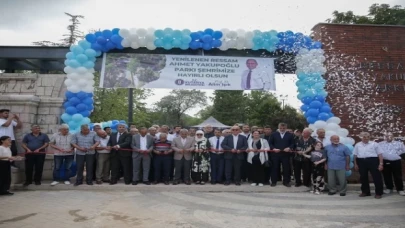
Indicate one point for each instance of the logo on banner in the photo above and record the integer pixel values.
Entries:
(193, 82)
(179, 82)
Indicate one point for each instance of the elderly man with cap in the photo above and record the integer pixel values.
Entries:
(368, 158)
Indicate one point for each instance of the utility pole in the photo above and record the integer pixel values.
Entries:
(130, 105)
(283, 98)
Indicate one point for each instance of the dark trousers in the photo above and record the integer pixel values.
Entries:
(81, 161)
(245, 169)
(171, 174)
(275, 169)
(13, 148)
(257, 171)
(180, 165)
(217, 167)
(162, 162)
(5, 176)
(31, 161)
(125, 162)
(62, 162)
(152, 169)
(233, 164)
(95, 165)
(393, 169)
(370, 165)
(306, 167)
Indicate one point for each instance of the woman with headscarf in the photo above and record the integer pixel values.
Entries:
(200, 161)
(257, 156)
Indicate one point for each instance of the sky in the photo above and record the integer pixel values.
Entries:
(25, 21)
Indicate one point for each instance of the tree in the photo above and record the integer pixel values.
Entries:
(71, 37)
(382, 14)
(174, 106)
(206, 112)
(229, 106)
(262, 108)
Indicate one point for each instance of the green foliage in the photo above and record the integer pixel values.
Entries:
(378, 14)
(229, 106)
(171, 109)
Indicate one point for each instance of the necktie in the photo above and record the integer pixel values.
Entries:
(217, 144)
(249, 76)
(118, 138)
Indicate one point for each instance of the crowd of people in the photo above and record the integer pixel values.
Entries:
(218, 156)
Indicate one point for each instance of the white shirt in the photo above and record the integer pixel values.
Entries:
(392, 150)
(325, 141)
(5, 152)
(369, 150)
(183, 141)
(235, 141)
(259, 79)
(282, 134)
(8, 131)
(143, 142)
(118, 136)
(103, 143)
(213, 141)
(247, 135)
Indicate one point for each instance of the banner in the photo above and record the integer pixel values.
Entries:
(131, 70)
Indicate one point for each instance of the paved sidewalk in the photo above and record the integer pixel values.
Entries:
(174, 209)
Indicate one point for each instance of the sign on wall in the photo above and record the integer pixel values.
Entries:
(131, 70)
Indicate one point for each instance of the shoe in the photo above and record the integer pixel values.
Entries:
(187, 183)
(113, 182)
(308, 186)
(146, 182)
(331, 193)
(37, 182)
(127, 183)
(106, 181)
(387, 191)
(364, 195)
(213, 182)
(287, 185)
(26, 184)
(226, 183)
(89, 183)
(377, 196)
(175, 182)
(401, 193)
(6, 193)
(166, 183)
(342, 194)
(237, 183)
(253, 184)
(202, 183)
(134, 182)
(67, 182)
(197, 182)
(261, 185)
(312, 191)
(273, 185)
(99, 182)
(54, 183)
(77, 184)
(297, 185)
(154, 182)
(317, 193)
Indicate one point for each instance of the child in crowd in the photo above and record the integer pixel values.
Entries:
(318, 158)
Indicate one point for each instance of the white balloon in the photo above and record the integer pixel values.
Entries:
(312, 127)
(142, 42)
(73, 88)
(132, 30)
(151, 31)
(90, 82)
(68, 82)
(343, 132)
(232, 35)
(133, 37)
(224, 31)
(134, 45)
(249, 35)
(240, 46)
(249, 44)
(241, 41)
(91, 70)
(334, 119)
(320, 124)
(88, 76)
(88, 89)
(231, 43)
(81, 70)
(350, 141)
(68, 70)
(150, 46)
(241, 32)
(223, 47)
(126, 43)
(73, 76)
(124, 33)
(141, 32)
(150, 37)
(82, 82)
(329, 133)
(332, 127)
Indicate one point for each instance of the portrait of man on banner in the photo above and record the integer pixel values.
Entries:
(255, 78)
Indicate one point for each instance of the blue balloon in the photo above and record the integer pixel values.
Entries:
(91, 38)
(311, 119)
(90, 108)
(176, 43)
(323, 116)
(85, 113)
(184, 46)
(209, 31)
(315, 104)
(77, 117)
(319, 98)
(217, 35)
(115, 121)
(348, 173)
(158, 43)
(159, 33)
(81, 58)
(115, 31)
(351, 148)
(207, 46)
(195, 45)
(116, 39)
(98, 33)
(69, 94)
(74, 101)
(89, 64)
(304, 108)
(66, 117)
(76, 49)
(74, 63)
(325, 108)
(73, 124)
(110, 45)
(306, 100)
(107, 34)
(101, 40)
(167, 46)
(86, 120)
(89, 95)
(177, 34)
(351, 158)
(88, 101)
(85, 44)
(351, 165)
(96, 47)
(122, 121)
(195, 36)
(207, 38)
(90, 53)
(167, 39)
(312, 112)
(67, 104)
(185, 39)
(168, 30)
(71, 110)
(216, 43)
(81, 107)
(70, 55)
(316, 45)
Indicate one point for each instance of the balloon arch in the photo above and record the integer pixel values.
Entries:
(80, 62)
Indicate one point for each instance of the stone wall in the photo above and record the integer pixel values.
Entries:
(36, 99)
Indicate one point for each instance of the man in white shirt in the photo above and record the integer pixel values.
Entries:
(217, 157)
(142, 146)
(391, 152)
(255, 79)
(7, 124)
(103, 160)
(368, 158)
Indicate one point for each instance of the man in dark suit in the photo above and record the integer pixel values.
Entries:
(118, 141)
(235, 146)
(282, 143)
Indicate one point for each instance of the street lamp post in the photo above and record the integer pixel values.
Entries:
(283, 98)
